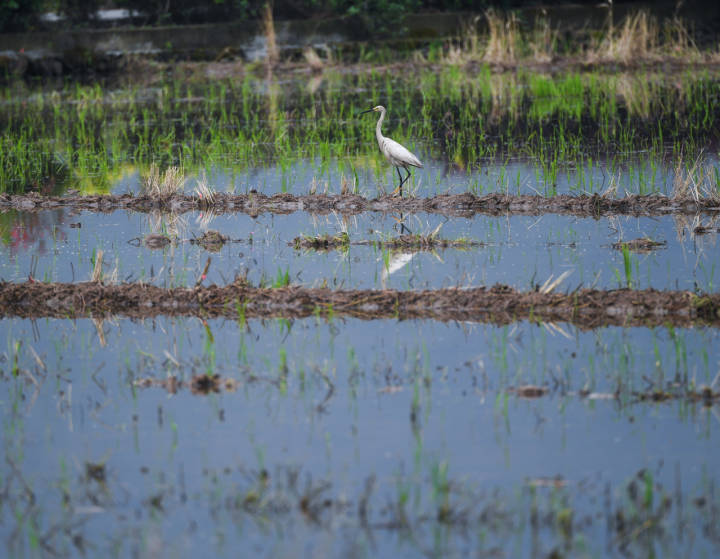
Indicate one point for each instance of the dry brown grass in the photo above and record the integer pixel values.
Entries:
(699, 181)
(97, 268)
(679, 40)
(204, 191)
(273, 55)
(503, 38)
(638, 38)
(543, 41)
(164, 184)
(467, 48)
(500, 46)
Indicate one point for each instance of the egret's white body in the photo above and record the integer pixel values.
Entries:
(396, 154)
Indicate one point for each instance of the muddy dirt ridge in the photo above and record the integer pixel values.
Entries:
(463, 205)
(585, 308)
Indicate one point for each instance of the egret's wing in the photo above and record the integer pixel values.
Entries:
(401, 154)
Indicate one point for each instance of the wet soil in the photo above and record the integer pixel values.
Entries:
(211, 240)
(586, 308)
(198, 384)
(463, 205)
(643, 244)
(705, 395)
(204, 384)
(415, 242)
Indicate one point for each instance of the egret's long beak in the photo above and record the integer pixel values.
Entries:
(368, 111)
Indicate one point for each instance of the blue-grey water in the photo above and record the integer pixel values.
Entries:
(348, 437)
(334, 402)
(520, 251)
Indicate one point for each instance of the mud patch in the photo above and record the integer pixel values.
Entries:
(705, 395)
(643, 244)
(447, 204)
(321, 242)
(529, 391)
(415, 242)
(211, 241)
(198, 384)
(586, 308)
(156, 241)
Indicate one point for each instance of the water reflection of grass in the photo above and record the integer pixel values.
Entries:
(431, 510)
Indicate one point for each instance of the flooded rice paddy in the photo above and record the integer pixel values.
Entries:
(304, 433)
(515, 250)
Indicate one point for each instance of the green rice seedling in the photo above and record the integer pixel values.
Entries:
(15, 368)
(464, 115)
(209, 350)
(441, 490)
(627, 264)
(241, 309)
(282, 279)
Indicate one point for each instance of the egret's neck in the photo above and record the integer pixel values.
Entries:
(378, 131)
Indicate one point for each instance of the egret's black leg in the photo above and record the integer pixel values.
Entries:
(406, 177)
(402, 180)
(399, 188)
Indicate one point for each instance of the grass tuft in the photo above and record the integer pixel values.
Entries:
(204, 191)
(503, 38)
(162, 185)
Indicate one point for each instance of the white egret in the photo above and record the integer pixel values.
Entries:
(397, 155)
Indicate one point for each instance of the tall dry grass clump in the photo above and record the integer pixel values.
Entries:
(639, 38)
(206, 193)
(635, 39)
(699, 180)
(501, 45)
(97, 268)
(679, 40)
(503, 38)
(164, 184)
(273, 55)
(543, 41)
(466, 49)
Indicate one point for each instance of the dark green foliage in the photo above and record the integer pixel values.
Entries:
(192, 11)
(19, 15)
(376, 16)
(79, 12)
